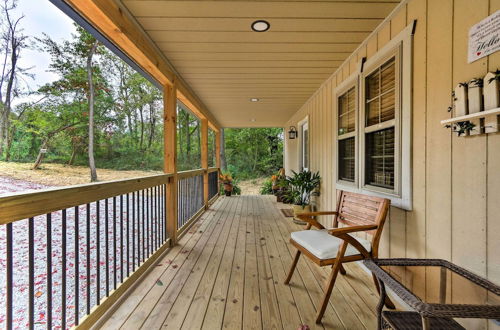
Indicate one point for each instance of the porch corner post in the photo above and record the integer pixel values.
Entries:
(170, 158)
(204, 159)
(217, 155)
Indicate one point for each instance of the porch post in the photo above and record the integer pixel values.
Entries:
(170, 158)
(204, 159)
(217, 156)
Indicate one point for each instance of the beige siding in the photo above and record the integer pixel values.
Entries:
(456, 180)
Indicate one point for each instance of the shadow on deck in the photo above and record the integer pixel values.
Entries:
(228, 270)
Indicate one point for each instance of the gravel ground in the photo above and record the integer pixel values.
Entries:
(20, 260)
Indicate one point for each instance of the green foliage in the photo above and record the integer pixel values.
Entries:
(302, 186)
(267, 188)
(236, 188)
(254, 152)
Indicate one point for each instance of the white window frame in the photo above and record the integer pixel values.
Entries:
(401, 46)
(346, 85)
(396, 122)
(301, 124)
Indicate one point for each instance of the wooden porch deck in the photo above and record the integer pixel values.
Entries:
(228, 272)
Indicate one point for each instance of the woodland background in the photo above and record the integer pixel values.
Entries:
(101, 113)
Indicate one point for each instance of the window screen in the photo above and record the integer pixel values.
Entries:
(379, 157)
(380, 94)
(347, 160)
(347, 111)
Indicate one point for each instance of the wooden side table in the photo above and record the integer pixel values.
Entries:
(434, 310)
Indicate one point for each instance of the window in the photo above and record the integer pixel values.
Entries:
(374, 125)
(380, 105)
(304, 144)
(346, 135)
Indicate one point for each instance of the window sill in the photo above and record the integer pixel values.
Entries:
(396, 201)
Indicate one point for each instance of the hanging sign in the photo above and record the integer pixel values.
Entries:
(484, 37)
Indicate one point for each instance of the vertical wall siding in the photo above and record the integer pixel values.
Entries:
(456, 180)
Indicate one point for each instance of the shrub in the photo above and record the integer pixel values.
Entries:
(267, 187)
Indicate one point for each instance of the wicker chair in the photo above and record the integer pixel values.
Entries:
(359, 213)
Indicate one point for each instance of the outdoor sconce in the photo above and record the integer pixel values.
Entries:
(292, 133)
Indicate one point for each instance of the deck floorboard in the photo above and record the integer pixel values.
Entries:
(227, 272)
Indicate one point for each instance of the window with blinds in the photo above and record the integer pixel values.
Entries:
(373, 118)
(347, 114)
(379, 169)
(347, 160)
(380, 94)
(380, 112)
(347, 111)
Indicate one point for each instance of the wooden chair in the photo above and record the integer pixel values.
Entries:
(360, 213)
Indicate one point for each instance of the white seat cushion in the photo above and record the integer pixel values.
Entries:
(325, 246)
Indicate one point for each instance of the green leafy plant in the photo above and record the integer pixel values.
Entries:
(301, 187)
(461, 127)
(267, 187)
(496, 77)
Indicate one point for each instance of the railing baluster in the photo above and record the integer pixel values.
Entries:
(106, 236)
(77, 265)
(133, 231)
(98, 256)
(148, 233)
(49, 270)
(114, 242)
(128, 235)
(157, 220)
(87, 282)
(63, 272)
(121, 238)
(143, 229)
(31, 273)
(9, 277)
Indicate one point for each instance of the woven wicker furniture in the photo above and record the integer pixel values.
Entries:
(433, 310)
(333, 247)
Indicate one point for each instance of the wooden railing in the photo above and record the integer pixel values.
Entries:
(213, 183)
(70, 253)
(190, 199)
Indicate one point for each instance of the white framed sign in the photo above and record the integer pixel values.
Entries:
(484, 37)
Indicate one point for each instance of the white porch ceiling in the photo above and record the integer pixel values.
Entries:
(212, 46)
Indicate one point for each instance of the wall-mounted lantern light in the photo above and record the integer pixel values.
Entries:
(292, 133)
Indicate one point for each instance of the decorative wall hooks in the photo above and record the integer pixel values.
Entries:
(476, 106)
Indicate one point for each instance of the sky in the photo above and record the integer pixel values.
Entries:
(41, 16)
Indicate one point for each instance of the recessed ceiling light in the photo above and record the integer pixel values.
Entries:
(260, 25)
(254, 99)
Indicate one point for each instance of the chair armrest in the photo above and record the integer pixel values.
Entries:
(313, 214)
(343, 234)
(351, 229)
(310, 221)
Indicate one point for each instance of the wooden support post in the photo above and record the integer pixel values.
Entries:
(204, 159)
(170, 160)
(217, 156)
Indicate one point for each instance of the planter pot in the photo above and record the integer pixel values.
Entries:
(228, 189)
(297, 210)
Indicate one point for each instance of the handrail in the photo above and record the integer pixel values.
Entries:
(212, 169)
(190, 173)
(18, 206)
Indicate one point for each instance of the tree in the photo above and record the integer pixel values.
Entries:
(223, 163)
(13, 42)
(93, 171)
(81, 82)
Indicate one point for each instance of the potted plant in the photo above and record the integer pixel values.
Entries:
(278, 184)
(227, 181)
(301, 187)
